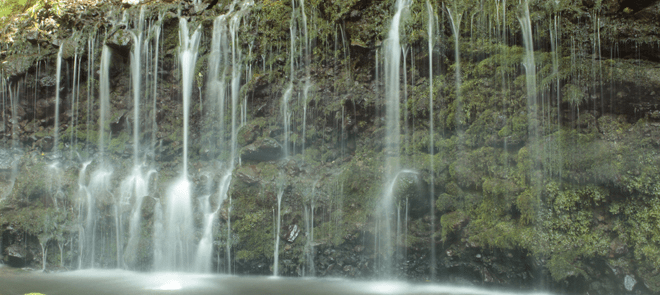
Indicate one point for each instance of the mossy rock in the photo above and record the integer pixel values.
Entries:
(650, 276)
(248, 174)
(453, 222)
(263, 149)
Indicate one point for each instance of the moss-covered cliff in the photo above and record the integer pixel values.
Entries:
(572, 207)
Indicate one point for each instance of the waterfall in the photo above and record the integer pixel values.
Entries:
(530, 70)
(104, 97)
(431, 140)
(13, 101)
(98, 186)
(187, 58)
(276, 254)
(224, 44)
(308, 83)
(235, 85)
(136, 186)
(205, 246)
(58, 78)
(455, 17)
(554, 43)
(136, 73)
(222, 196)
(177, 243)
(154, 125)
(91, 52)
(216, 89)
(393, 131)
(72, 128)
(286, 117)
(83, 194)
(309, 227)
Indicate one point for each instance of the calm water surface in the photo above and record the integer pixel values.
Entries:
(97, 282)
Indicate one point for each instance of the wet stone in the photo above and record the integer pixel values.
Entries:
(248, 174)
(263, 149)
(8, 159)
(292, 233)
(48, 81)
(120, 39)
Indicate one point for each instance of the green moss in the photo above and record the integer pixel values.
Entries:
(451, 222)
(254, 225)
(118, 143)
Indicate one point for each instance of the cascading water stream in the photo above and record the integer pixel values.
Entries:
(455, 17)
(276, 254)
(235, 82)
(431, 140)
(104, 99)
(136, 186)
(178, 240)
(98, 185)
(136, 74)
(204, 248)
(530, 70)
(58, 78)
(83, 195)
(154, 110)
(393, 132)
(286, 117)
(225, 28)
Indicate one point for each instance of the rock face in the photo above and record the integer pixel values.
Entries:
(558, 193)
(120, 39)
(263, 149)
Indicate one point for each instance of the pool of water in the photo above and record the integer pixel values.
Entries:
(98, 282)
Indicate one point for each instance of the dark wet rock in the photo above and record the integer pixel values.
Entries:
(16, 255)
(48, 81)
(120, 40)
(248, 134)
(650, 276)
(9, 159)
(292, 168)
(18, 64)
(248, 174)
(43, 108)
(32, 36)
(45, 143)
(9, 162)
(618, 248)
(263, 149)
(16, 251)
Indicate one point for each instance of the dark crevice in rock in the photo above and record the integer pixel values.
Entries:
(635, 5)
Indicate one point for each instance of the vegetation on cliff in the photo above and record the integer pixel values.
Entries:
(584, 190)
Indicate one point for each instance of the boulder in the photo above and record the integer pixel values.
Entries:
(48, 81)
(9, 159)
(17, 64)
(18, 255)
(120, 39)
(248, 134)
(263, 149)
(248, 174)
